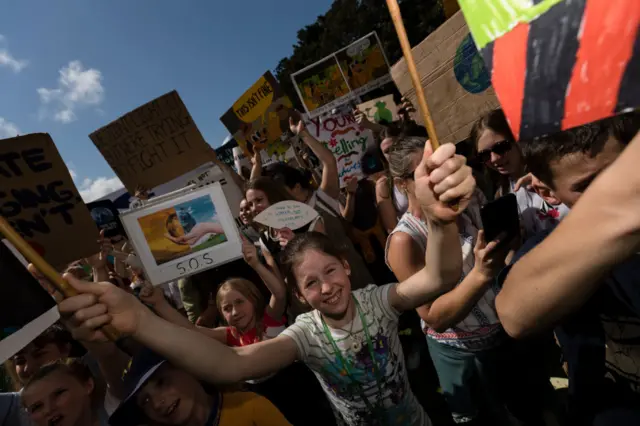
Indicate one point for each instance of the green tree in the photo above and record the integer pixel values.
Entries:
(347, 21)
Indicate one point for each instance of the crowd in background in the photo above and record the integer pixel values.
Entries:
(390, 308)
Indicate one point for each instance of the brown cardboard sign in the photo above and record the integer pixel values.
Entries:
(152, 144)
(40, 201)
(457, 87)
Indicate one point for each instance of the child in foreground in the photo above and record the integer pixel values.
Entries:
(349, 340)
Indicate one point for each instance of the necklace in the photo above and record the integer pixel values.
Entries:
(356, 344)
(356, 385)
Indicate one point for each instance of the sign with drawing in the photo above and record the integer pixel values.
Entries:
(343, 76)
(346, 139)
(41, 202)
(380, 110)
(182, 234)
(152, 144)
(260, 118)
(287, 214)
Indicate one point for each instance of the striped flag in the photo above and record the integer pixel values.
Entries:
(557, 64)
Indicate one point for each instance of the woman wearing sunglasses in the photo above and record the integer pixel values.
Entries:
(497, 150)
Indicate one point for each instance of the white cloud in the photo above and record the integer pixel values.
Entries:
(8, 129)
(77, 88)
(92, 189)
(8, 60)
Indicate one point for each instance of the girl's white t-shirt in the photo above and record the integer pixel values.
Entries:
(345, 390)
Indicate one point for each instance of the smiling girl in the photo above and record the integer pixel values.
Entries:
(350, 339)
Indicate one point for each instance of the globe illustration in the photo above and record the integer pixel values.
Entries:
(469, 68)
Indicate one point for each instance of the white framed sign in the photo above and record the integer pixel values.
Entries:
(183, 233)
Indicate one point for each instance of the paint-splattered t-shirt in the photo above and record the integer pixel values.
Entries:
(392, 393)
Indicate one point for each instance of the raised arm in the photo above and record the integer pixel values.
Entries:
(330, 181)
(278, 300)
(443, 186)
(349, 209)
(256, 165)
(386, 209)
(560, 274)
(204, 357)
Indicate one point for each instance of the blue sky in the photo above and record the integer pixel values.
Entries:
(68, 67)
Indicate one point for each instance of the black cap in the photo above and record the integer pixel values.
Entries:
(142, 367)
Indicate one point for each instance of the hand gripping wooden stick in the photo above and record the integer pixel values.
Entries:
(394, 9)
(45, 269)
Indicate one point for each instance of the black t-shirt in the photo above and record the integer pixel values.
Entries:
(601, 344)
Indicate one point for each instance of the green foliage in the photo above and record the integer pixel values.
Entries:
(347, 21)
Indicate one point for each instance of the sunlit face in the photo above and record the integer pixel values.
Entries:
(59, 399)
(245, 212)
(323, 283)
(169, 397)
(572, 174)
(31, 358)
(503, 155)
(384, 147)
(257, 201)
(238, 311)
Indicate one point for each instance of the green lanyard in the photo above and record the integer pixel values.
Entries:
(345, 365)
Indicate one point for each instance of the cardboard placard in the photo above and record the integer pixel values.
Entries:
(152, 144)
(380, 110)
(342, 76)
(260, 118)
(559, 64)
(40, 201)
(287, 214)
(107, 218)
(455, 82)
(183, 234)
(27, 309)
(346, 139)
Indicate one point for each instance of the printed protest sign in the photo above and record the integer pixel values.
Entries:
(183, 234)
(40, 201)
(380, 110)
(557, 64)
(152, 144)
(260, 117)
(106, 216)
(342, 76)
(346, 139)
(27, 309)
(287, 214)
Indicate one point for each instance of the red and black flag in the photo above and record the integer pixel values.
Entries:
(557, 64)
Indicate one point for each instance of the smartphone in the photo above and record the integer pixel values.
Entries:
(501, 216)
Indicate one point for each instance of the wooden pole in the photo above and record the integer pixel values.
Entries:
(45, 268)
(413, 71)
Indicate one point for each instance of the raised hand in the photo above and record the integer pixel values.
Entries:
(99, 304)
(297, 125)
(151, 295)
(443, 183)
(249, 252)
(352, 185)
(285, 235)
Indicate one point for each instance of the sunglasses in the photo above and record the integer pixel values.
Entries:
(500, 148)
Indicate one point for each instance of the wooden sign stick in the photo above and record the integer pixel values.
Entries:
(413, 71)
(47, 270)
